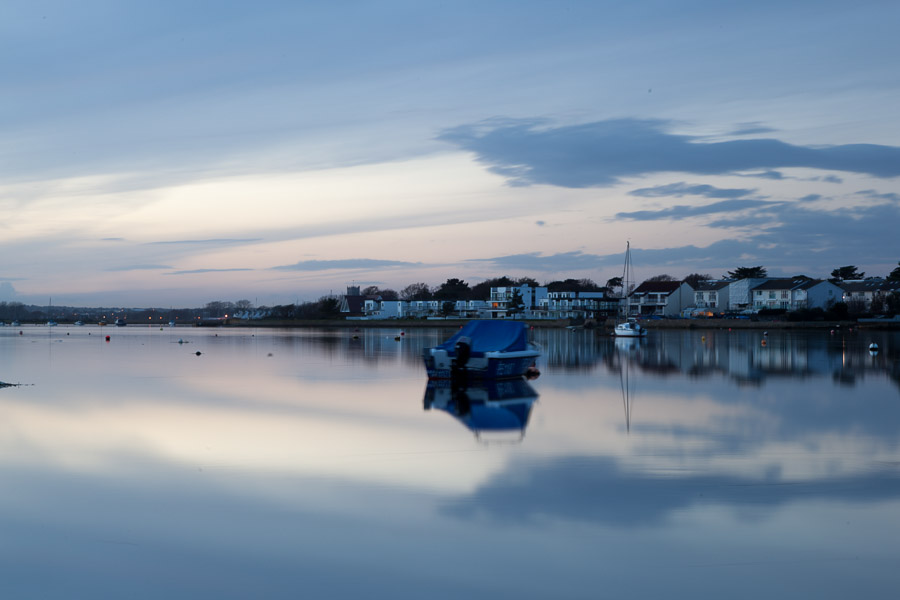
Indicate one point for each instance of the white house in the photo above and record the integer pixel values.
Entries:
(498, 303)
(795, 293)
(662, 298)
(577, 305)
(712, 295)
(739, 292)
(866, 291)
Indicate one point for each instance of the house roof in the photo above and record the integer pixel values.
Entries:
(353, 304)
(787, 283)
(710, 286)
(876, 284)
(657, 287)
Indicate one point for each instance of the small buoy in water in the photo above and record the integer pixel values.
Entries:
(397, 338)
(67, 333)
(764, 342)
(107, 338)
(729, 329)
(702, 338)
(402, 333)
(180, 341)
(355, 337)
(873, 346)
(269, 354)
(765, 333)
(20, 333)
(832, 332)
(160, 328)
(197, 353)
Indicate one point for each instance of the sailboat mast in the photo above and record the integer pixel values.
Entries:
(626, 282)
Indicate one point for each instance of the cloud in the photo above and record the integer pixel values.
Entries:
(350, 263)
(787, 234)
(683, 189)
(7, 291)
(139, 268)
(889, 196)
(683, 212)
(612, 496)
(751, 128)
(533, 261)
(213, 241)
(528, 152)
(829, 179)
(195, 271)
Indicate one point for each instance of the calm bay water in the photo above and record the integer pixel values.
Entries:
(304, 463)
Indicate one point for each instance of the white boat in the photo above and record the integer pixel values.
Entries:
(629, 327)
(484, 349)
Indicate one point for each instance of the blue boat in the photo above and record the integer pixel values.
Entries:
(483, 349)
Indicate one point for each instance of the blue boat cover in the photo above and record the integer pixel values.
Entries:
(491, 336)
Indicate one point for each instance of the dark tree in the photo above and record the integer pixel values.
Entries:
(384, 294)
(453, 289)
(515, 305)
(662, 277)
(416, 291)
(573, 285)
(845, 273)
(527, 281)
(694, 278)
(748, 273)
(895, 274)
(447, 308)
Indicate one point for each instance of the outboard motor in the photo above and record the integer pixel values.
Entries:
(463, 349)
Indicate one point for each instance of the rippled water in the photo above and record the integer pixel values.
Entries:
(304, 463)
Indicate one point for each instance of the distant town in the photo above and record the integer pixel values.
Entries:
(742, 293)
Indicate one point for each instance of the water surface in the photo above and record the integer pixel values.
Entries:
(317, 463)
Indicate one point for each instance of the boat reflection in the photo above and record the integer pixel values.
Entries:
(495, 411)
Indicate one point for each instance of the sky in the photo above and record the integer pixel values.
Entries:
(172, 154)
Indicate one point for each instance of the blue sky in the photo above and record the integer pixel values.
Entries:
(175, 153)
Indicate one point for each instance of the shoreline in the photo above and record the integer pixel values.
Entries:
(604, 328)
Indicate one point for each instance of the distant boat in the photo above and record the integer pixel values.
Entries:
(79, 323)
(14, 324)
(171, 323)
(121, 323)
(629, 327)
(483, 349)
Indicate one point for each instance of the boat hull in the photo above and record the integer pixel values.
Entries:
(494, 365)
(630, 329)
